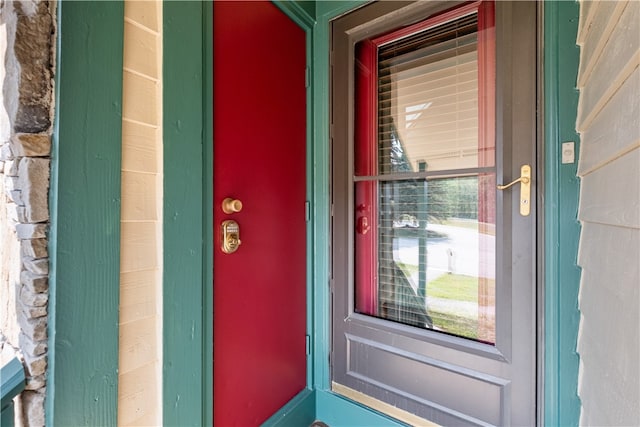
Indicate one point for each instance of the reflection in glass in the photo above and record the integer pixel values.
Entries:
(425, 178)
(436, 257)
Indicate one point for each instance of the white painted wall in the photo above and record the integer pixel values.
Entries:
(140, 362)
(609, 166)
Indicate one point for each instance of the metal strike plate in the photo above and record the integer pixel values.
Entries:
(230, 238)
(525, 190)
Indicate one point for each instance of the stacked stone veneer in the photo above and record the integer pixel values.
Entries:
(24, 172)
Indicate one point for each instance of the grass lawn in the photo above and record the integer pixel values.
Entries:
(457, 325)
(454, 286)
(458, 288)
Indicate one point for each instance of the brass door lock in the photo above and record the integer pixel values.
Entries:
(230, 236)
(230, 205)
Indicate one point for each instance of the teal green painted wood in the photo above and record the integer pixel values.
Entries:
(308, 6)
(299, 12)
(84, 241)
(329, 9)
(321, 205)
(338, 411)
(562, 230)
(300, 411)
(207, 214)
(330, 408)
(11, 384)
(11, 380)
(187, 347)
(7, 416)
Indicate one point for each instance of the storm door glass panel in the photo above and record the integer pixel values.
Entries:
(425, 178)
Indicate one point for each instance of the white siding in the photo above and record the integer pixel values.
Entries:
(609, 165)
(140, 362)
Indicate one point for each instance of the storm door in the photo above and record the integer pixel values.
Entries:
(434, 238)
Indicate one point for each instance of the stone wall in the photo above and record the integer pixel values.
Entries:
(27, 30)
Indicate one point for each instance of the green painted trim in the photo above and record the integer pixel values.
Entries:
(320, 180)
(562, 229)
(187, 312)
(329, 9)
(300, 411)
(338, 411)
(298, 11)
(207, 215)
(11, 381)
(84, 239)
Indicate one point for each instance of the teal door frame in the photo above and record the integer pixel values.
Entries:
(560, 274)
(187, 366)
(84, 203)
(88, 204)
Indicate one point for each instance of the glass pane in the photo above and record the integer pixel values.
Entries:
(428, 101)
(425, 245)
(436, 255)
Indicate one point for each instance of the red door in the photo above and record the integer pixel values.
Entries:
(259, 159)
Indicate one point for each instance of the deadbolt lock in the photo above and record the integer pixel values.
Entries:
(230, 236)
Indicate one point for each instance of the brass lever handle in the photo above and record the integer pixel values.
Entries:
(522, 179)
(525, 189)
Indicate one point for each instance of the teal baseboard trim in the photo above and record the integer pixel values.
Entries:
(338, 411)
(300, 411)
(561, 227)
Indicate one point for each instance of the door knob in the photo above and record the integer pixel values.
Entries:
(525, 189)
(230, 205)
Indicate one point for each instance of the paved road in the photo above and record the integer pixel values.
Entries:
(471, 252)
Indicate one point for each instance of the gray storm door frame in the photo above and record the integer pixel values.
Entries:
(413, 352)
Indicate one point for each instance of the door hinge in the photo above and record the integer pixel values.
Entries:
(307, 77)
(308, 345)
(307, 211)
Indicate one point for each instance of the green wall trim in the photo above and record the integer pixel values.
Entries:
(562, 229)
(84, 238)
(188, 301)
(300, 411)
(338, 411)
(298, 11)
(207, 214)
(320, 181)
